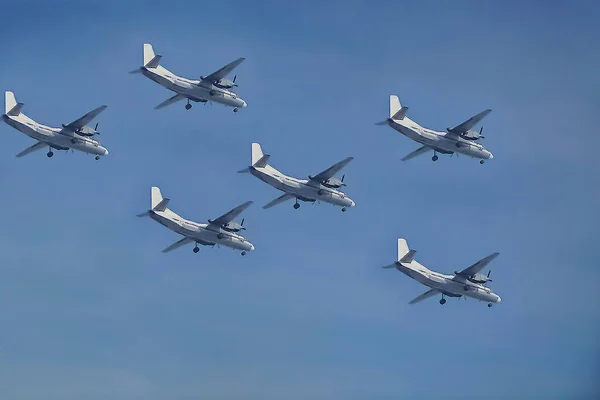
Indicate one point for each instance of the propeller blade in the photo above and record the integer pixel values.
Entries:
(96, 127)
(234, 78)
(242, 224)
(343, 176)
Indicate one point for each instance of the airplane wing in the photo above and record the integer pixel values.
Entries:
(86, 119)
(231, 215)
(471, 122)
(31, 149)
(170, 101)
(331, 171)
(278, 200)
(222, 73)
(478, 266)
(426, 295)
(417, 152)
(178, 244)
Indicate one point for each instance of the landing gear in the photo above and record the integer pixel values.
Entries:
(320, 192)
(296, 205)
(235, 110)
(457, 145)
(188, 105)
(344, 209)
(434, 158)
(466, 288)
(481, 161)
(220, 236)
(196, 249)
(212, 92)
(97, 158)
(50, 153)
(244, 253)
(443, 301)
(73, 140)
(489, 304)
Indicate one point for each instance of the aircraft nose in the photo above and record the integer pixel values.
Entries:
(352, 203)
(105, 152)
(499, 299)
(244, 104)
(490, 155)
(251, 247)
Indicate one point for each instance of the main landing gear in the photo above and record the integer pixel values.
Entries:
(212, 92)
(481, 161)
(296, 205)
(73, 140)
(50, 153)
(196, 248)
(443, 301)
(220, 236)
(435, 157)
(188, 105)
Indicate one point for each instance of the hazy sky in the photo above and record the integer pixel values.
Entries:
(91, 308)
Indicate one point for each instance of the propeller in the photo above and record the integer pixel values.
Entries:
(480, 135)
(96, 129)
(234, 78)
(488, 275)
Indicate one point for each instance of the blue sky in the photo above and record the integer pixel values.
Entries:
(92, 309)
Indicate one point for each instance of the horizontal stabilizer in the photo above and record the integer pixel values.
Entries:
(154, 62)
(162, 205)
(16, 110)
(262, 162)
(408, 257)
(400, 114)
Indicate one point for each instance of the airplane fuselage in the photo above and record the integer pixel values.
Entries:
(195, 90)
(446, 284)
(302, 189)
(58, 138)
(202, 233)
(439, 141)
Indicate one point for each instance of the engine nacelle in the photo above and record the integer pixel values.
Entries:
(479, 278)
(233, 227)
(225, 84)
(333, 183)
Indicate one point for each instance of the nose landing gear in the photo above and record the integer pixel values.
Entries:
(235, 110)
(97, 158)
(489, 304)
(244, 253)
(481, 161)
(343, 209)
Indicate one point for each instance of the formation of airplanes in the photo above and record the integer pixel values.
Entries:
(468, 282)
(322, 187)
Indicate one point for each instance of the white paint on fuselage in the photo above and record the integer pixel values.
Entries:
(439, 140)
(59, 137)
(302, 189)
(200, 232)
(196, 90)
(446, 284)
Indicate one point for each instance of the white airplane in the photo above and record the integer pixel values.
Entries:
(460, 139)
(220, 231)
(213, 87)
(76, 135)
(322, 187)
(468, 282)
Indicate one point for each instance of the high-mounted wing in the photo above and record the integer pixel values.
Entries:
(177, 244)
(231, 215)
(331, 171)
(31, 149)
(86, 119)
(222, 73)
(278, 200)
(470, 123)
(426, 295)
(478, 266)
(417, 152)
(170, 101)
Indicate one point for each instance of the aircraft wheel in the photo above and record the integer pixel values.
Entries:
(188, 106)
(297, 206)
(481, 161)
(443, 301)
(343, 209)
(50, 154)
(434, 158)
(235, 110)
(320, 192)
(97, 158)
(196, 249)
(457, 145)
(212, 92)
(489, 304)
(244, 252)
(220, 236)
(73, 140)
(466, 288)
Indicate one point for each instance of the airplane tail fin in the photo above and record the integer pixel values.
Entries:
(404, 253)
(157, 197)
(397, 112)
(11, 107)
(151, 60)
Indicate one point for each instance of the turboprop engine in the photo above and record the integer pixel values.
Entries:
(226, 83)
(234, 226)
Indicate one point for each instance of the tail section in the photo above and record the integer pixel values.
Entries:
(156, 197)
(403, 249)
(151, 60)
(397, 112)
(10, 102)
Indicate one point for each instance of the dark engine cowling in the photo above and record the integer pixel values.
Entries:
(333, 183)
(479, 278)
(234, 226)
(226, 83)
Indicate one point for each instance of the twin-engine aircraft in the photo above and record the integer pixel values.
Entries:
(221, 231)
(213, 87)
(460, 139)
(76, 135)
(322, 187)
(468, 282)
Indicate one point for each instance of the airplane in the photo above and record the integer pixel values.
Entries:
(220, 231)
(468, 282)
(460, 139)
(323, 186)
(75, 136)
(213, 87)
